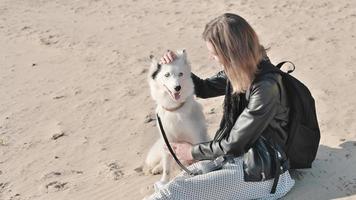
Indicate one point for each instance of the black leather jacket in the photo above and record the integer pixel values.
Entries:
(266, 114)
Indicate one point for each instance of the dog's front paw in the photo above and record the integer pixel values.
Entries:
(157, 169)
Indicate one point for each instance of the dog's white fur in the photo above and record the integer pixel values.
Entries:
(186, 124)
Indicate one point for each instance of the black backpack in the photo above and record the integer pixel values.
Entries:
(303, 129)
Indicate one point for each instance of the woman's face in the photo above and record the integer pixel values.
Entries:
(212, 53)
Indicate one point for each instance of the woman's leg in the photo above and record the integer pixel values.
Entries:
(226, 183)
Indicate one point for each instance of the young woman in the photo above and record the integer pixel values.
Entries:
(253, 129)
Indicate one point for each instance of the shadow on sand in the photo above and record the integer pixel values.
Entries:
(332, 176)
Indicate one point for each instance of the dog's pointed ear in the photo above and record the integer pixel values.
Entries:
(182, 53)
(155, 67)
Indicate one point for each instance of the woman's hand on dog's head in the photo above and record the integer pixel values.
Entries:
(168, 57)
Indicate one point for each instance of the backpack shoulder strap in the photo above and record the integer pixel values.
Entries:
(279, 66)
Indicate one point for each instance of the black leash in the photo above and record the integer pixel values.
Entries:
(171, 150)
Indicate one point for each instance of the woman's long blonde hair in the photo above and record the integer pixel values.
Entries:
(237, 47)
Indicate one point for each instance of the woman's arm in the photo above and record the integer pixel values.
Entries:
(210, 87)
(249, 125)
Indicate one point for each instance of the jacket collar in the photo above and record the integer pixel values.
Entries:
(264, 67)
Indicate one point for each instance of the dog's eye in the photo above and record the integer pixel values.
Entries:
(167, 74)
(180, 74)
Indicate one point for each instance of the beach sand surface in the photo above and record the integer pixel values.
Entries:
(74, 96)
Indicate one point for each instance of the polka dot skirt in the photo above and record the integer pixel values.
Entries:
(225, 184)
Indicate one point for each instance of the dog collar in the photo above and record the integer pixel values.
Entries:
(173, 109)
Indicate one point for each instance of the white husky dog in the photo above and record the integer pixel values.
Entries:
(182, 117)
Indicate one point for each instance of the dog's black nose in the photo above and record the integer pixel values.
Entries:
(177, 88)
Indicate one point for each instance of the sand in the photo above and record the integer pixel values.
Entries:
(74, 91)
